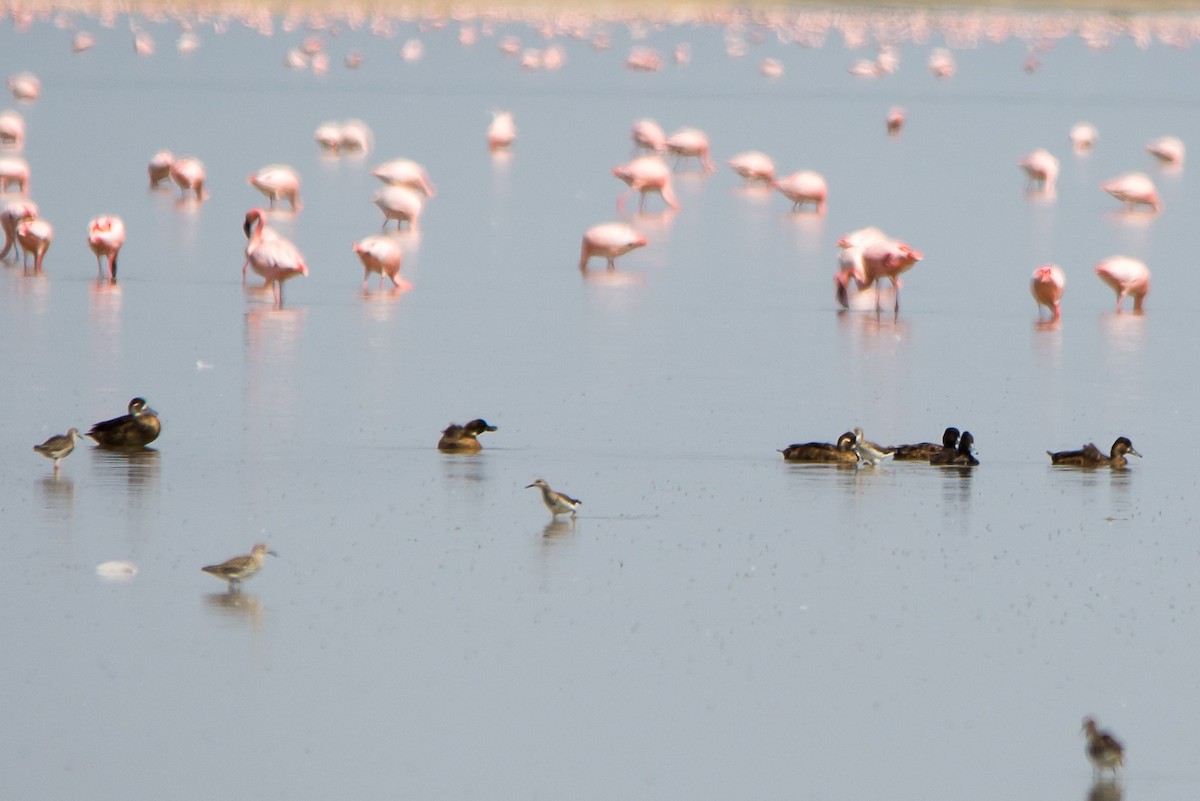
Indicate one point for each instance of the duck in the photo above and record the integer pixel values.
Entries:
(234, 570)
(1103, 750)
(559, 503)
(924, 451)
(868, 451)
(1091, 456)
(462, 439)
(134, 430)
(960, 456)
(842, 452)
(58, 447)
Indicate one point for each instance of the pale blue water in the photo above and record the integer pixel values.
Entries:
(716, 623)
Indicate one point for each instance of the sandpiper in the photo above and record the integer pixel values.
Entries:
(556, 502)
(868, 452)
(134, 430)
(240, 567)
(58, 447)
(1103, 749)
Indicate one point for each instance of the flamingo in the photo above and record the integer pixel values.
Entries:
(1127, 277)
(329, 136)
(401, 204)
(13, 213)
(754, 167)
(12, 129)
(1167, 149)
(690, 143)
(501, 132)
(356, 137)
(404, 172)
(34, 236)
(895, 120)
(188, 174)
(270, 255)
(278, 181)
(646, 174)
(160, 167)
(1083, 137)
(648, 135)
(106, 235)
(880, 258)
(1041, 167)
(1134, 189)
(941, 63)
(1047, 287)
(25, 86)
(803, 187)
(381, 254)
(14, 171)
(608, 240)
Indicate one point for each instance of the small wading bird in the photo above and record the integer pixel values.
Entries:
(842, 452)
(1047, 287)
(58, 447)
(1091, 456)
(557, 502)
(463, 439)
(608, 241)
(106, 235)
(134, 430)
(235, 570)
(868, 452)
(1103, 750)
(924, 451)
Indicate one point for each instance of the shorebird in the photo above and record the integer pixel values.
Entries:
(240, 567)
(868, 452)
(134, 430)
(59, 446)
(1104, 751)
(1091, 456)
(463, 439)
(557, 502)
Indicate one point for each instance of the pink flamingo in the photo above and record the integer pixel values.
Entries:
(881, 258)
(13, 213)
(646, 174)
(690, 143)
(278, 181)
(357, 137)
(106, 235)
(1134, 189)
(401, 204)
(1127, 277)
(270, 255)
(1041, 168)
(501, 132)
(12, 129)
(804, 187)
(754, 167)
(14, 171)
(25, 86)
(1167, 149)
(34, 236)
(160, 167)
(608, 240)
(895, 120)
(403, 172)
(941, 63)
(649, 135)
(329, 136)
(1083, 137)
(188, 175)
(1047, 287)
(382, 255)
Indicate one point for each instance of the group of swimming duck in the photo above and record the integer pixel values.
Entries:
(954, 449)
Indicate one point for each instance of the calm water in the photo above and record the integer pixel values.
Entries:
(716, 624)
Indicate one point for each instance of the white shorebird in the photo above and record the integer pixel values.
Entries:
(558, 503)
(868, 452)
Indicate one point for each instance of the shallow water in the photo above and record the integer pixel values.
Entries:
(716, 623)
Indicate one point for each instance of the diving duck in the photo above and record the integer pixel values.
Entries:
(462, 439)
(1091, 456)
(134, 430)
(558, 503)
(1104, 751)
(234, 570)
(843, 451)
(960, 456)
(924, 451)
(58, 447)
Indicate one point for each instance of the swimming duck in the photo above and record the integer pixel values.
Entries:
(843, 451)
(960, 456)
(557, 502)
(463, 438)
(58, 447)
(134, 430)
(1091, 456)
(1104, 750)
(924, 451)
(240, 567)
(868, 451)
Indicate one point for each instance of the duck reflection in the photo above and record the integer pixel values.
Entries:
(956, 486)
(1104, 790)
(464, 467)
(236, 606)
(136, 469)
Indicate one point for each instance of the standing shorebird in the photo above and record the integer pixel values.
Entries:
(558, 503)
(240, 567)
(868, 452)
(1104, 751)
(59, 446)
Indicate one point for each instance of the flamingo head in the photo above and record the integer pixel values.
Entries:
(841, 287)
(253, 216)
(906, 256)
